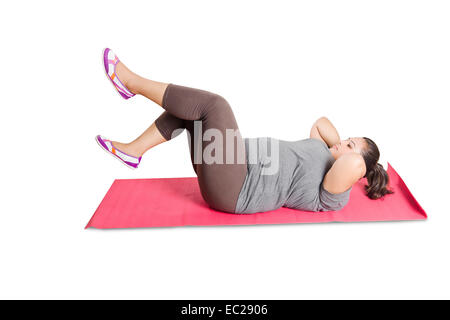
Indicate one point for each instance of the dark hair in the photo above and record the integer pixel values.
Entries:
(377, 177)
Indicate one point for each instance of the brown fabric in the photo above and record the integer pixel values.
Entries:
(220, 183)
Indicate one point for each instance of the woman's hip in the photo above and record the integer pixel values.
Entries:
(220, 184)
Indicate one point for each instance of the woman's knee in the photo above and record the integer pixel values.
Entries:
(218, 103)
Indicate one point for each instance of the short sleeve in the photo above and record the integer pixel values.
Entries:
(333, 202)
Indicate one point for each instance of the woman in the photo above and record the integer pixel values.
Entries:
(247, 176)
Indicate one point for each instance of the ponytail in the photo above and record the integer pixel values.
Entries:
(377, 177)
(377, 182)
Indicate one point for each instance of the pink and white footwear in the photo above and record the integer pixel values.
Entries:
(110, 61)
(130, 161)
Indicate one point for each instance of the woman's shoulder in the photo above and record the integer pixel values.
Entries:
(346, 171)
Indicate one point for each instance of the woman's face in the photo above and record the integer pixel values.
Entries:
(355, 145)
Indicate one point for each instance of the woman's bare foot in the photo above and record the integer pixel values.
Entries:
(128, 148)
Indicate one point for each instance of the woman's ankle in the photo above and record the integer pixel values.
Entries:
(128, 148)
(133, 84)
(128, 78)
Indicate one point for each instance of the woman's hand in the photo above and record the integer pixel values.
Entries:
(324, 130)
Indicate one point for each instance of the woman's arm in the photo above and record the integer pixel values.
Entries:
(324, 130)
(346, 171)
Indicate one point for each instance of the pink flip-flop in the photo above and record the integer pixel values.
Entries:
(110, 60)
(128, 160)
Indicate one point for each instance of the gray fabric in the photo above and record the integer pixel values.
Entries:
(296, 184)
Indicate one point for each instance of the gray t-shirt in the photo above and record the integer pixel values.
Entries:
(287, 174)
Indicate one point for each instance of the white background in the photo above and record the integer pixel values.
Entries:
(375, 68)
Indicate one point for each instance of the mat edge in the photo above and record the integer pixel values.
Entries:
(423, 212)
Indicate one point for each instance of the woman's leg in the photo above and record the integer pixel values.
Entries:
(158, 132)
(154, 91)
(150, 89)
(209, 120)
(185, 105)
(148, 139)
(220, 181)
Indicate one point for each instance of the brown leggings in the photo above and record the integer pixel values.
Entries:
(220, 183)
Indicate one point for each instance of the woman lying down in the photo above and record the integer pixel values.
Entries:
(247, 175)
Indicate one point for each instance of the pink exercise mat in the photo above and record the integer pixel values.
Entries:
(144, 203)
